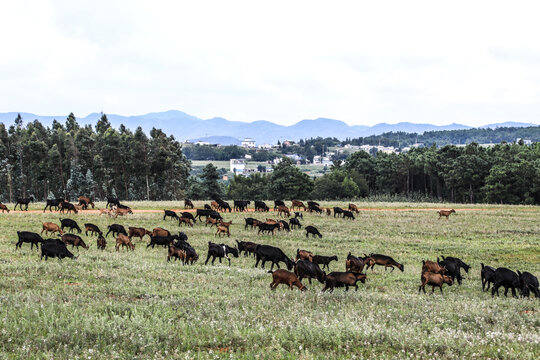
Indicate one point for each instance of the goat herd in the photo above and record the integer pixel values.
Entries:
(304, 265)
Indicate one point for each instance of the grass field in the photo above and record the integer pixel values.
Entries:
(109, 304)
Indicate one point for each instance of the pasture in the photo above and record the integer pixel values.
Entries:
(109, 304)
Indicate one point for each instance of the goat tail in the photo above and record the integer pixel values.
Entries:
(270, 272)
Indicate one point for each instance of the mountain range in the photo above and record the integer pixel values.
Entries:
(219, 130)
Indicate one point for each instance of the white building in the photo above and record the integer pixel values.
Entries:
(237, 166)
(248, 143)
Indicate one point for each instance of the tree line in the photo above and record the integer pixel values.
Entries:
(67, 160)
(505, 173)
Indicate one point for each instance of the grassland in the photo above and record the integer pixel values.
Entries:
(109, 304)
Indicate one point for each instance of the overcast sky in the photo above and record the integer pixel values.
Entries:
(435, 61)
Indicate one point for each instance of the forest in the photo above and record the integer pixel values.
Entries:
(68, 160)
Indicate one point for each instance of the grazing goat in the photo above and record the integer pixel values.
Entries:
(313, 231)
(138, 232)
(176, 253)
(432, 267)
(120, 211)
(115, 229)
(220, 251)
(268, 228)
(324, 260)
(101, 242)
(211, 221)
(241, 205)
(160, 232)
(354, 208)
(383, 260)
(251, 222)
(112, 201)
(507, 278)
(429, 278)
(123, 240)
(298, 215)
(5, 208)
(354, 263)
(445, 213)
(338, 211)
(304, 255)
(188, 215)
(295, 223)
(282, 276)
(261, 206)
(52, 228)
(55, 248)
(458, 262)
(487, 274)
(105, 211)
(528, 282)
(69, 207)
(164, 241)
(247, 247)
(309, 270)
(278, 203)
(452, 269)
(92, 228)
(283, 211)
(343, 279)
(28, 237)
(70, 224)
(185, 220)
(348, 215)
(222, 230)
(74, 240)
(274, 254)
(170, 214)
(188, 204)
(298, 204)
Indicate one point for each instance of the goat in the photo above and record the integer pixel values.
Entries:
(123, 240)
(445, 213)
(429, 278)
(282, 276)
(52, 228)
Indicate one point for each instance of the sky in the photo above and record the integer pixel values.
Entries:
(438, 62)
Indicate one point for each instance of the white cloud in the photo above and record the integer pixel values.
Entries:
(281, 61)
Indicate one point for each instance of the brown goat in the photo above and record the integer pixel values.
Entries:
(122, 212)
(138, 232)
(160, 232)
(354, 208)
(298, 204)
(4, 208)
(79, 207)
(123, 240)
(214, 205)
(304, 255)
(101, 242)
(52, 228)
(270, 221)
(226, 224)
(222, 230)
(184, 220)
(328, 211)
(283, 276)
(105, 211)
(283, 211)
(383, 260)
(445, 213)
(74, 240)
(354, 263)
(340, 279)
(176, 253)
(432, 279)
(211, 221)
(432, 267)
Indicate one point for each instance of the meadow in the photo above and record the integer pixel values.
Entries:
(116, 305)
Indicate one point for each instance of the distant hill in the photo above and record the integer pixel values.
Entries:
(184, 126)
